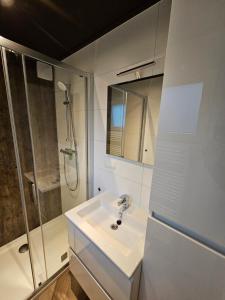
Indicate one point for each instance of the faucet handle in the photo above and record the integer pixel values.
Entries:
(123, 199)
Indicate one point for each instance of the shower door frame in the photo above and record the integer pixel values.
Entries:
(8, 45)
(18, 160)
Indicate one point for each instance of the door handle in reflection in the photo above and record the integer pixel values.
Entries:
(34, 193)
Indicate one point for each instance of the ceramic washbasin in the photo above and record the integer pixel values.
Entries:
(123, 246)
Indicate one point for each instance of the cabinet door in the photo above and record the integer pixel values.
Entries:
(176, 267)
(86, 279)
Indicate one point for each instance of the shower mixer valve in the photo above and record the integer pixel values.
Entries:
(68, 151)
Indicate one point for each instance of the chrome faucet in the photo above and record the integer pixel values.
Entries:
(124, 200)
(124, 203)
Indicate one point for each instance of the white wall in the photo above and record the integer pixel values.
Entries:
(132, 43)
(189, 176)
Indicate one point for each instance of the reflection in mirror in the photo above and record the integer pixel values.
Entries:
(115, 119)
(132, 118)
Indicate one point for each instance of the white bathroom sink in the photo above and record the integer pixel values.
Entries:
(125, 245)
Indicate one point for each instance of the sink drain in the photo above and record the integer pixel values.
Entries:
(114, 226)
(24, 248)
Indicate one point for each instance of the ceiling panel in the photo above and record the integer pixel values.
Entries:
(58, 28)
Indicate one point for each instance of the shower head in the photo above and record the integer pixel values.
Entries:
(62, 86)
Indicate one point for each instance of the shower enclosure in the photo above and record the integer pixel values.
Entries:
(43, 165)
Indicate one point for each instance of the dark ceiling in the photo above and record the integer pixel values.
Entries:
(58, 28)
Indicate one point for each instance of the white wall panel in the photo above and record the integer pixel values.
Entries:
(179, 268)
(129, 44)
(189, 180)
(188, 184)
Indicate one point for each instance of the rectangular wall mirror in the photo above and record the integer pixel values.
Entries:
(132, 118)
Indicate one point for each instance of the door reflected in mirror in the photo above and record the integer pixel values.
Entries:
(132, 119)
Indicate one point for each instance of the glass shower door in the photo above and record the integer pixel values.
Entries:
(43, 126)
(16, 276)
(22, 131)
(56, 103)
(43, 168)
(45, 178)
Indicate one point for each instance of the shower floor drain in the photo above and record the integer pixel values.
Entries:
(114, 226)
(24, 248)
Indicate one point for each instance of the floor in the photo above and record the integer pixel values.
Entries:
(15, 277)
(64, 288)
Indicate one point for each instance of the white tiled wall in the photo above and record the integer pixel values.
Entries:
(130, 44)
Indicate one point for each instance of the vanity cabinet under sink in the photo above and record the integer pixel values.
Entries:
(97, 275)
(106, 263)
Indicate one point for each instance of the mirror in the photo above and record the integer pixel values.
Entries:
(132, 118)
